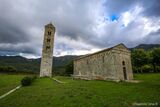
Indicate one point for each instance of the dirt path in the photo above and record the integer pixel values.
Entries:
(58, 81)
(11, 91)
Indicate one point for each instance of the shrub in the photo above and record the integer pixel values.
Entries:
(69, 68)
(147, 68)
(27, 81)
(136, 69)
(158, 68)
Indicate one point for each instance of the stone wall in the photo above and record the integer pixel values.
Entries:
(47, 52)
(106, 64)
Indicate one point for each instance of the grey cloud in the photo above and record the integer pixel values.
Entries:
(4, 53)
(20, 47)
(11, 33)
(117, 7)
(151, 7)
(70, 18)
(153, 37)
(21, 24)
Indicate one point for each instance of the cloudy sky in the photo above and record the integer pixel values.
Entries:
(82, 26)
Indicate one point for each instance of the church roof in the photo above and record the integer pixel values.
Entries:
(107, 49)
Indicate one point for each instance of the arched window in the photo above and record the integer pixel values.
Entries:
(49, 32)
(47, 47)
(123, 63)
(48, 40)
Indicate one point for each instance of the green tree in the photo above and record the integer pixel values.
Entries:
(69, 68)
(147, 68)
(139, 58)
(156, 58)
(7, 69)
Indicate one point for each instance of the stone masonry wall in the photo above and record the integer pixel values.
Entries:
(47, 52)
(104, 65)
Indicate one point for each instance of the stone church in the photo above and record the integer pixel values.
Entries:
(109, 64)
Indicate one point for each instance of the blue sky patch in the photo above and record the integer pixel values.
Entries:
(114, 17)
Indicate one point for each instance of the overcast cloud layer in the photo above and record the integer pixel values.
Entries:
(82, 26)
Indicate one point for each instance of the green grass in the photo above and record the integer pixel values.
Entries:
(8, 82)
(45, 92)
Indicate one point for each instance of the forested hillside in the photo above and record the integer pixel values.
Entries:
(21, 64)
(145, 58)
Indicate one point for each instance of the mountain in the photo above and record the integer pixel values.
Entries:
(59, 63)
(63, 60)
(146, 46)
(33, 65)
(20, 63)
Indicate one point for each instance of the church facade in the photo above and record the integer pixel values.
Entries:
(109, 64)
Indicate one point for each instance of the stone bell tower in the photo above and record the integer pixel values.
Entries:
(47, 51)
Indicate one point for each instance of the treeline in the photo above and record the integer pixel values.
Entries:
(143, 61)
(9, 69)
(13, 70)
(146, 61)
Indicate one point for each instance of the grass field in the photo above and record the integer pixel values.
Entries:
(8, 82)
(45, 92)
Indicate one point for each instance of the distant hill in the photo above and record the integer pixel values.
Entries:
(59, 63)
(146, 46)
(33, 65)
(63, 60)
(20, 63)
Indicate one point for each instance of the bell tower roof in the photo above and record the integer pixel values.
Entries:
(50, 25)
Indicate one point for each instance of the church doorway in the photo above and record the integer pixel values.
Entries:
(124, 71)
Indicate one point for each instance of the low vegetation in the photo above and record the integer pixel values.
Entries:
(44, 92)
(8, 82)
(69, 68)
(9, 69)
(146, 61)
(27, 81)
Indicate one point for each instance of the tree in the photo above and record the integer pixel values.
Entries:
(7, 69)
(147, 68)
(156, 58)
(69, 68)
(139, 58)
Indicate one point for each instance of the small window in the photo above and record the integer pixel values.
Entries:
(49, 32)
(47, 47)
(123, 63)
(48, 40)
(124, 73)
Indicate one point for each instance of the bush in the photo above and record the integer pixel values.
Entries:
(158, 68)
(27, 81)
(69, 68)
(136, 69)
(147, 68)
